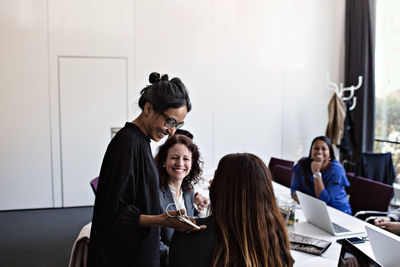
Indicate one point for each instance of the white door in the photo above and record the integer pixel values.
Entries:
(93, 99)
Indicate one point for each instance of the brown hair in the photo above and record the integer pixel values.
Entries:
(250, 230)
(194, 175)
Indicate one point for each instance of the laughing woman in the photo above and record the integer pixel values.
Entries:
(178, 163)
(320, 175)
(126, 217)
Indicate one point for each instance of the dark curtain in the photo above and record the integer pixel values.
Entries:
(359, 60)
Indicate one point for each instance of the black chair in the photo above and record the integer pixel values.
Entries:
(350, 177)
(276, 161)
(376, 166)
(368, 197)
(282, 175)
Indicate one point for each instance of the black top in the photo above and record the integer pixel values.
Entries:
(194, 249)
(128, 187)
(376, 166)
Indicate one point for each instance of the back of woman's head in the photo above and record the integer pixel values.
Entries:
(184, 132)
(164, 94)
(250, 229)
(194, 175)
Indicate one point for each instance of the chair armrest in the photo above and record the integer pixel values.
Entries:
(364, 214)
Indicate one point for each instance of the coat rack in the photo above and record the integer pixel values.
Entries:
(340, 90)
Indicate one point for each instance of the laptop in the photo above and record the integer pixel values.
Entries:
(385, 245)
(350, 255)
(316, 213)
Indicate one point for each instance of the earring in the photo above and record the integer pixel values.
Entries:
(163, 166)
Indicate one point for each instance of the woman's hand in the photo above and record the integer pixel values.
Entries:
(163, 220)
(172, 221)
(393, 227)
(316, 166)
(200, 201)
(351, 262)
(380, 220)
(294, 196)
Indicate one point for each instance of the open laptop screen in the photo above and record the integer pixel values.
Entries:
(350, 255)
(385, 245)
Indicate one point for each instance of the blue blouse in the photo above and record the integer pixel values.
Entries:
(335, 180)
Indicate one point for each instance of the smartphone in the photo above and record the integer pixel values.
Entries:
(353, 240)
(187, 221)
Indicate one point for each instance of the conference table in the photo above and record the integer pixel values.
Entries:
(331, 256)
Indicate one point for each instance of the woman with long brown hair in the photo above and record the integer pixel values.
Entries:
(245, 227)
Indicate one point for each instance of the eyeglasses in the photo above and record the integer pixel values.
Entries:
(171, 122)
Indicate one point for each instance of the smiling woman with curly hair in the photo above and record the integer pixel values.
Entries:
(179, 167)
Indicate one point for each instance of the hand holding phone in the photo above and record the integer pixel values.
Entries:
(179, 214)
(187, 221)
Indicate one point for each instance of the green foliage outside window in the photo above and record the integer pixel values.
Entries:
(387, 127)
(387, 79)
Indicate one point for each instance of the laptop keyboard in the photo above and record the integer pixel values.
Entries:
(339, 229)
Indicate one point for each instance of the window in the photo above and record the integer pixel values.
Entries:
(387, 80)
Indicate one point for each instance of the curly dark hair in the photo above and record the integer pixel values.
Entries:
(196, 170)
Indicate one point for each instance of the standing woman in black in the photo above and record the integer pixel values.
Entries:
(126, 220)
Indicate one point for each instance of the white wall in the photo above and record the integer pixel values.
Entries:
(25, 154)
(256, 72)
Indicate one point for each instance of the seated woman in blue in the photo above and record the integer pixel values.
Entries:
(321, 176)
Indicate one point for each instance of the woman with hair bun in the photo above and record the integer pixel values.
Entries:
(245, 227)
(126, 217)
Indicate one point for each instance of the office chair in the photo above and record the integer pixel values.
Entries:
(80, 249)
(376, 166)
(94, 183)
(282, 175)
(368, 197)
(283, 162)
(350, 177)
